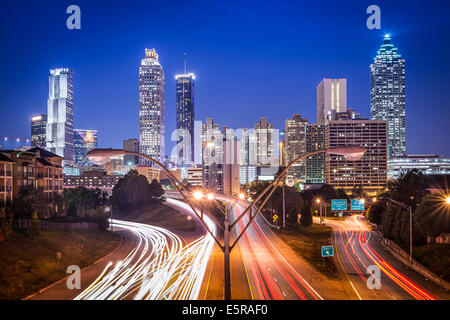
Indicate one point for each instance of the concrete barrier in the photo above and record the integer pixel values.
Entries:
(403, 257)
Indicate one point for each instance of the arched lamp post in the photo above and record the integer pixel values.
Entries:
(351, 153)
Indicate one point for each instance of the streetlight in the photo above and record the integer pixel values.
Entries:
(198, 195)
(241, 196)
(318, 201)
(447, 200)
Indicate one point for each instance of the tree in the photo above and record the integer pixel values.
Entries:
(410, 188)
(156, 192)
(375, 211)
(133, 192)
(306, 216)
(432, 216)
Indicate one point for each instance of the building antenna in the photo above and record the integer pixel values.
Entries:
(185, 63)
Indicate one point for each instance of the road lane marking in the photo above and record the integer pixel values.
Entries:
(339, 259)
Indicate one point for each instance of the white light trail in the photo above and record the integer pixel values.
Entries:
(159, 267)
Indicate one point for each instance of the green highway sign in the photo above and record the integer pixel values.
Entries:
(327, 251)
(338, 204)
(357, 204)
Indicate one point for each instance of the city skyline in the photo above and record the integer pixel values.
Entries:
(295, 97)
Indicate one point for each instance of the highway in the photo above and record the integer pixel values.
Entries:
(270, 275)
(161, 266)
(357, 248)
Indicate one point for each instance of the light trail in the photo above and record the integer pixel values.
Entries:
(357, 248)
(272, 276)
(159, 267)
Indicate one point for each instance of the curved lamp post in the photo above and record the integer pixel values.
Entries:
(351, 153)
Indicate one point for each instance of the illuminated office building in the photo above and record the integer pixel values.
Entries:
(369, 173)
(39, 130)
(428, 164)
(60, 114)
(151, 108)
(387, 95)
(315, 164)
(331, 96)
(185, 116)
(295, 145)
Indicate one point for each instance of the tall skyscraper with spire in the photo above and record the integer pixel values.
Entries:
(185, 115)
(151, 107)
(387, 95)
(60, 114)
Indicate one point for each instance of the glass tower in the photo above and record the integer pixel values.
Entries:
(39, 130)
(387, 95)
(151, 108)
(185, 115)
(60, 114)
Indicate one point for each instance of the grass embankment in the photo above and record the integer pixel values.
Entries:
(435, 257)
(28, 265)
(163, 216)
(307, 243)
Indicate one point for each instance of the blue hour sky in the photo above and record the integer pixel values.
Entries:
(251, 59)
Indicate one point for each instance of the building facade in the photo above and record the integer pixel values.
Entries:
(387, 95)
(195, 176)
(315, 164)
(265, 142)
(212, 156)
(295, 145)
(151, 108)
(331, 95)
(428, 164)
(83, 142)
(6, 181)
(60, 114)
(133, 146)
(185, 117)
(39, 130)
(151, 173)
(93, 179)
(369, 173)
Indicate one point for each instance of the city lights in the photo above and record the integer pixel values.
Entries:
(198, 195)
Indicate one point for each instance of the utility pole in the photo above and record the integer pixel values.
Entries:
(226, 260)
(284, 206)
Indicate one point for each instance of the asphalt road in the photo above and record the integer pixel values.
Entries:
(357, 248)
(273, 270)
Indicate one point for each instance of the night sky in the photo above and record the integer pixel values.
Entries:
(251, 59)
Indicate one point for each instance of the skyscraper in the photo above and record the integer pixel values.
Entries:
(331, 95)
(264, 142)
(212, 159)
(60, 114)
(185, 115)
(83, 142)
(295, 144)
(39, 130)
(315, 164)
(151, 108)
(387, 95)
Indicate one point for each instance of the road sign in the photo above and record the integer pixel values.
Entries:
(275, 217)
(357, 204)
(327, 251)
(338, 204)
